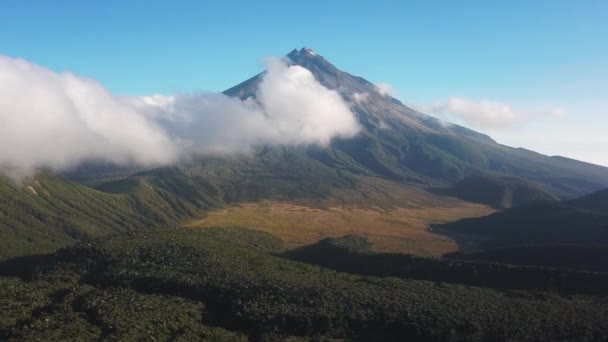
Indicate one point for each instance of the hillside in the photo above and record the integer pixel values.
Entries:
(540, 223)
(570, 234)
(48, 212)
(497, 192)
(597, 201)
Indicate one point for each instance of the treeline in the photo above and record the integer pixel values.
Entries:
(573, 257)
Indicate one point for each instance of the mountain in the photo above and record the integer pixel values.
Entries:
(396, 143)
(405, 145)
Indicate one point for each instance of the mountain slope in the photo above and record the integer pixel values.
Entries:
(505, 192)
(48, 212)
(402, 144)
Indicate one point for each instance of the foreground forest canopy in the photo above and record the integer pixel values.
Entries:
(232, 284)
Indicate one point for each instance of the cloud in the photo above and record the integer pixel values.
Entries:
(489, 114)
(360, 98)
(384, 89)
(301, 109)
(58, 120)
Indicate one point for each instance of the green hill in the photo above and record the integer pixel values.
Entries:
(352, 254)
(539, 223)
(570, 234)
(497, 192)
(48, 212)
(597, 201)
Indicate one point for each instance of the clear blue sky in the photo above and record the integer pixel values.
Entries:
(527, 54)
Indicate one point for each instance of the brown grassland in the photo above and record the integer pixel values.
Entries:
(400, 228)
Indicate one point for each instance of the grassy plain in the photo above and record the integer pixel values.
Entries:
(399, 229)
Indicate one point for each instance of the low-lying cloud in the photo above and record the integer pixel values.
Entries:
(58, 120)
(384, 89)
(489, 114)
(360, 98)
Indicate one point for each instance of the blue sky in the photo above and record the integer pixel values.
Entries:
(532, 56)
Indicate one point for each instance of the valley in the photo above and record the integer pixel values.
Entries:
(395, 230)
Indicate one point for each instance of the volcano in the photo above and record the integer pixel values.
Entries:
(404, 145)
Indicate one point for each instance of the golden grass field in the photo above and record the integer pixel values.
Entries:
(399, 229)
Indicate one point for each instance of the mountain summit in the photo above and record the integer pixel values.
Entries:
(405, 145)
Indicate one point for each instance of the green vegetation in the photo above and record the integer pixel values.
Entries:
(534, 224)
(62, 309)
(196, 285)
(353, 254)
(111, 272)
(497, 192)
(573, 257)
(48, 212)
(571, 234)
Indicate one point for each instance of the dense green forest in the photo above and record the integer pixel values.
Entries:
(574, 257)
(548, 222)
(230, 284)
(353, 254)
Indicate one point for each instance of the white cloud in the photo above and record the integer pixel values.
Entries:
(57, 120)
(360, 98)
(384, 89)
(487, 114)
(301, 109)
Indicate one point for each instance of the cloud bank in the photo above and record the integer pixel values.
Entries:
(489, 114)
(58, 120)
